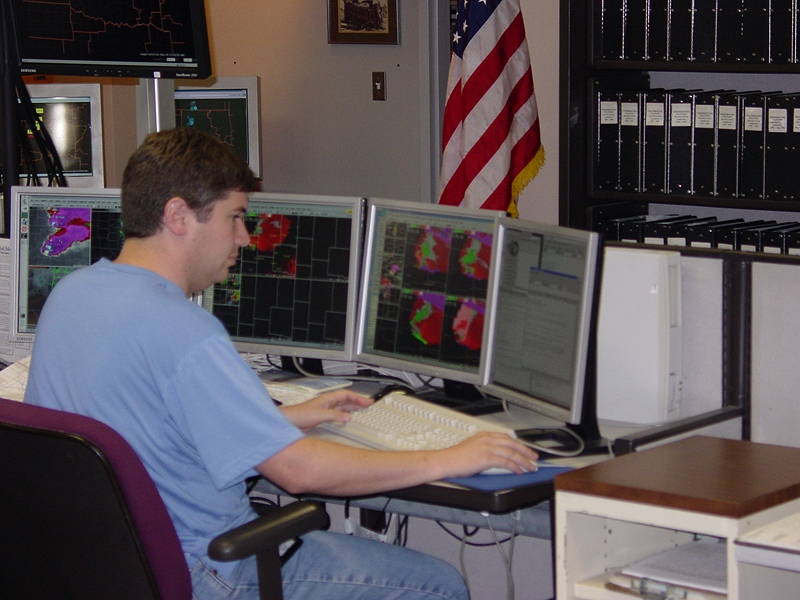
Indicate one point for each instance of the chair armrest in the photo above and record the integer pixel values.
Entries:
(269, 531)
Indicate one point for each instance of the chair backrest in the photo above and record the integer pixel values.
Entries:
(79, 515)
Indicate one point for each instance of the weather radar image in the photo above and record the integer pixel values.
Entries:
(61, 235)
(430, 303)
(290, 284)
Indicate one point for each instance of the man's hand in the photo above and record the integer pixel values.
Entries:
(487, 450)
(334, 406)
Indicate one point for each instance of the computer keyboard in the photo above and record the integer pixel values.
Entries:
(403, 422)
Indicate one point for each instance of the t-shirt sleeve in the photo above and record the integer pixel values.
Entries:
(226, 412)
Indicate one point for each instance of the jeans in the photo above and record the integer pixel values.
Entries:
(334, 566)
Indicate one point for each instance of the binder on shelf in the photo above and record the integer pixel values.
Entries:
(782, 31)
(726, 145)
(726, 238)
(600, 217)
(656, 232)
(704, 234)
(679, 28)
(777, 147)
(656, 30)
(609, 228)
(751, 151)
(751, 240)
(729, 26)
(704, 32)
(679, 146)
(679, 234)
(606, 175)
(704, 147)
(755, 31)
(654, 141)
(792, 243)
(635, 27)
(793, 163)
(774, 241)
(630, 141)
(632, 231)
(611, 29)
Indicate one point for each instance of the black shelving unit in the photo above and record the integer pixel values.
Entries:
(581, 68)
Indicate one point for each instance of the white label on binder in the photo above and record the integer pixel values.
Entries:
(608, 112)
(654, 114)
(630, 113)
(753, 118)
(704, 116)
(796, 120)
(726, 117)
(778, 120)
(681, 115)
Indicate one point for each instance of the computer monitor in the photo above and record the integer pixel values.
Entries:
(112, 39)
(72, 115)
(425, 288)
(55, 231)
(542, 326)
(294, 289)
(226, 108)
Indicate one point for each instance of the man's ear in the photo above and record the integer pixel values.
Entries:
(176, 215)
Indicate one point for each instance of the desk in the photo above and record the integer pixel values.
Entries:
(613, 513)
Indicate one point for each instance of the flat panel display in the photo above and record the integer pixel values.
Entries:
(139, 38)
(543, 317)
(293, 291)
(72, 115)
(55, 231)
(228, 109)
(425, 288)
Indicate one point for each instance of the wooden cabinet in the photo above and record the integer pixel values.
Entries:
(615, 512)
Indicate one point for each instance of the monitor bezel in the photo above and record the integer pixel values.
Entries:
(574, 414)
(363, 355)
(200, 69)
(16, 226)
(251, 86)
(70, 92)
(291, 348)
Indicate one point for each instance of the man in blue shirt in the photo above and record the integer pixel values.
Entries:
(120, 342)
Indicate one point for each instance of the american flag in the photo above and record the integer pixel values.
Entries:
(491, 142)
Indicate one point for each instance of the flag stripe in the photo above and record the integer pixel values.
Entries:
(490, 136)
(489, 143)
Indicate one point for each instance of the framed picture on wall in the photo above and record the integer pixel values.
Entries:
(362, 22)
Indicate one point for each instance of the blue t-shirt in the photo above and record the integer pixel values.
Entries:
(123, 345)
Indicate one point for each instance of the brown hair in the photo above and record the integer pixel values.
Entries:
(182, 162)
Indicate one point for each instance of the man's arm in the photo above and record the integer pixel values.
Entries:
(311, 465)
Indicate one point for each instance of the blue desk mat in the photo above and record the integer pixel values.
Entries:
(493, 483)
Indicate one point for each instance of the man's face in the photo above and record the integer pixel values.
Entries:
(218, 241)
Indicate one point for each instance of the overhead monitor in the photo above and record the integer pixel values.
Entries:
(543, 321)
(293, 290)
(226, 108)
(55, 231)
(425, 288)
(167, 39)
(72, 115)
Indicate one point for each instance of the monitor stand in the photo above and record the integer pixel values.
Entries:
(463, 397)
(309, 365)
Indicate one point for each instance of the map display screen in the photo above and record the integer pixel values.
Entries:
(221, 113)
(427, 287)
(58, 233)
(139, 38)
(293, 287)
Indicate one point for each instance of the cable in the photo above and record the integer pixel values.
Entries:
(548, 449)
(508, 559)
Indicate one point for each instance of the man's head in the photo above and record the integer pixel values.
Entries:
(184, 163)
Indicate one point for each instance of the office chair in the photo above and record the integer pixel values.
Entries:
(81, 518)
